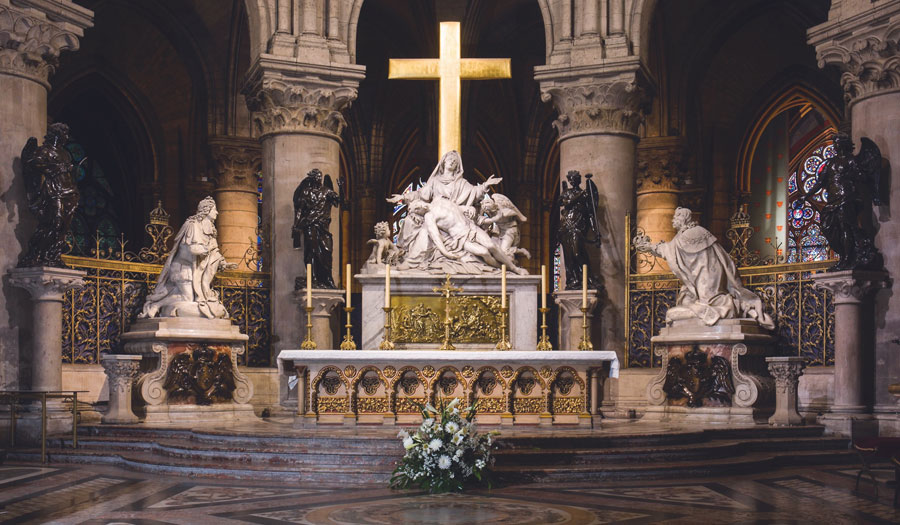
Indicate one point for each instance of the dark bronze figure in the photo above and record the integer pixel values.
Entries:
(52, 196)
(313, 201)
(697, 378)
(578, 226)
(850, 181)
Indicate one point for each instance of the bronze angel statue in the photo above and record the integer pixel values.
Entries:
(578, 226)
(52, 196)
(850, 182)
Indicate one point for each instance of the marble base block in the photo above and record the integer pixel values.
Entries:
(121, 370)
(787, 372)
(323, 303)
(190, 372)
(571, 319)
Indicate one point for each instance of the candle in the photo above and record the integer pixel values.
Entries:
(387, 285)
(347, 284)
(309, 285)
(584, 283)
(503, 286)
(543, 286)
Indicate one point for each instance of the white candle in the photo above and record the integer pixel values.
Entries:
(309, 286)
(347, 284)
(543, 286)
(503, 286)
(584, 284)
(387, 285)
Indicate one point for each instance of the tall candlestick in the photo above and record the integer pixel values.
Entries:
(347, 284)
(543, 286)
(503, 286)
(584, 285)
(387, 285)
(309, 285)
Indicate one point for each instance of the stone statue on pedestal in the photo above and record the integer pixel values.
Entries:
(850, 182)
(52, 196)
(313, 201)
(384, 250)
(502, 218)
(711, 288)
(578, 219)
(184, 287)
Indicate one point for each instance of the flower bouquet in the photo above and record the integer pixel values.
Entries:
(445, 452)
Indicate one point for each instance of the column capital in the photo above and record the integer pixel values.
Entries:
(285, 96)
(608, 99)
(786, 371)
(121, 369)
(661, 164)
(45, 283)
(864, 45)
(569, 302)
(33, 33)
(851, 286)
(237, 160)
(324, 301)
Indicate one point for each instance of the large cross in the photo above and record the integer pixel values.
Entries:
(449, 69)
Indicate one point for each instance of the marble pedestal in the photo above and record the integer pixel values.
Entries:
(47, 287)
(571, 319)
(786, 371)
(740, 343)
(190, 357)
(121, 371)
(522, 292)
(324, 302)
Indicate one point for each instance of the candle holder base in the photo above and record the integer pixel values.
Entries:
(308, 343)
(348, 343)
(386, 343)
(544, 342)
(585, 343)
(504, 343)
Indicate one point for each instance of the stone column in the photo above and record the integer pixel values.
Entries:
(47, 287)
(237, 161)
(863, 41)
(851, 291)
(786, 371)
(600, 111)
(571, 320)
(121, 369)
(296, 112)
(323, 325)
(33, 33)
(660, 170)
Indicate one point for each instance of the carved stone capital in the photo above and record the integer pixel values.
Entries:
(787, 372)
(33, 33)
(323, 301)
(597, 102)
(121, 371)
(850, 286)
(865, 46)
(307, 99)
(237, 160)
(662, 164)
(569, 302)
(46, 284)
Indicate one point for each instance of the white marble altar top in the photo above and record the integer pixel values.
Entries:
(456, 357)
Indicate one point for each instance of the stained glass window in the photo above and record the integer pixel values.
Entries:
(399, 212)
(95, 215)
(805, 240)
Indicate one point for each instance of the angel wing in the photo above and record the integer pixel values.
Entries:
(505, 203)
(594, 196)
(869, 161)
(33, 177)
(326, 181)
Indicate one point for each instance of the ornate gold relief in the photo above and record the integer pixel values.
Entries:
(333, 405)
(420, 319)
(528, 405)
(568, 405)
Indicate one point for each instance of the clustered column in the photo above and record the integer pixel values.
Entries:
(660, 170)
(237, 161)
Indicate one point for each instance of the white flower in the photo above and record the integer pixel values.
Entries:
(403, 434)
(435, 444)
(408, 443)
(428, 422)
(459, 452)
(479, 463)
(444, 462)
(457, 439)
(451, 427)
(453, 403)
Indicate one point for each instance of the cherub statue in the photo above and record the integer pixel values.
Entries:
(385, 251)
(503, 218)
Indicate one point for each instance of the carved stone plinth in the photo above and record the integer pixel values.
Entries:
(121, 370)
(787, 372)
(711, 373)
(193, 376)
(324, 302)
(571, 318)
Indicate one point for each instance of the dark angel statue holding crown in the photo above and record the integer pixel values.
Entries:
(850, 182)
(578, 226)
(313, 201)
(52, 196)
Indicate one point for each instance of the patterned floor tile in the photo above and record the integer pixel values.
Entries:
(189, 495)
(19, 474)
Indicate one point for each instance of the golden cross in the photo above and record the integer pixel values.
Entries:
(449, 69)
(447, 288)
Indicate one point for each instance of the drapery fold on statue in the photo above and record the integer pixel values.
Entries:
(711, 288)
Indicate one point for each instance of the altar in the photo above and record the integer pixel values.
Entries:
(386, 387)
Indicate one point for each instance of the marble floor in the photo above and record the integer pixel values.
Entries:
(105, 495)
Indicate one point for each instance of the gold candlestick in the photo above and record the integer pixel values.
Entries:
(446, 291)
(544, 343)
(386, 343)
(348, 343)
(308, 343)
(504, 343)
(585, 343)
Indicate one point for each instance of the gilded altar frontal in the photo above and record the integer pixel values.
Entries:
(563, 249)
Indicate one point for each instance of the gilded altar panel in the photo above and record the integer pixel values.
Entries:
(408, 405)
(489, 405)
(420, 318)
(528, 405)
(568, 405)
(333, 405)
(372, 405)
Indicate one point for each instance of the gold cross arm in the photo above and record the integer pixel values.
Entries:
(449, 69)
(447, 288)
